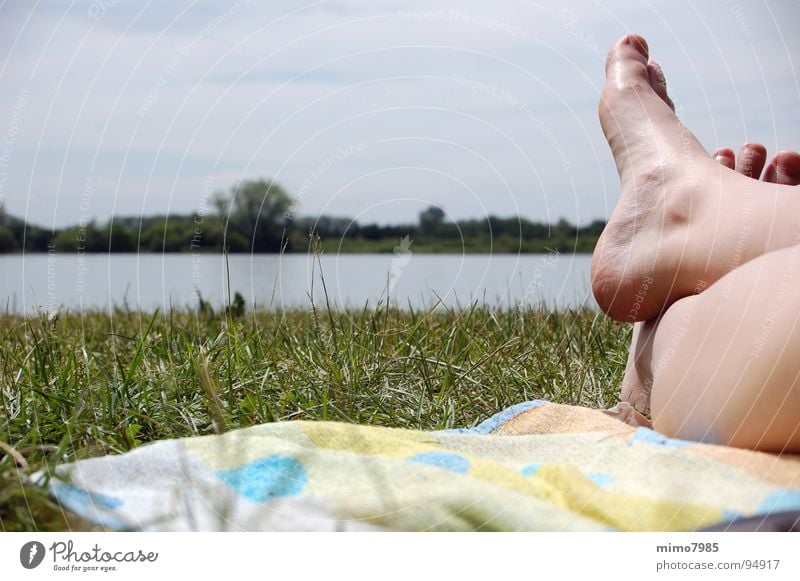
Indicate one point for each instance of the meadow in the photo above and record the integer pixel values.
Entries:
(74, 386)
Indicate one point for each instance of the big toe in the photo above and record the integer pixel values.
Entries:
(639, 124)
(626, 63)
(784, 169)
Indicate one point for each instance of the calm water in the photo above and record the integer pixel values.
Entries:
(147, 281)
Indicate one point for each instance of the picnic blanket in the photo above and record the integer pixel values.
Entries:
(536, 466)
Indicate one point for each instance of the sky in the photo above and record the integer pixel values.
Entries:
(369, 109)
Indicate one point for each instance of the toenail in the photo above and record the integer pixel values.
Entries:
(789, 169)
(658, 73)
(637, 42)
(754, 147)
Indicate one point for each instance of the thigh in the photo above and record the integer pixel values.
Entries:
(725, 364)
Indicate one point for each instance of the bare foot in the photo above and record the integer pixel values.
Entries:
(633, 274)
(676, 228)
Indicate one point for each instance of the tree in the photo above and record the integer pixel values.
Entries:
(430, 220)
(221, 204)
(564, 229)
(120, 239)
(259, 212)
(7, 241)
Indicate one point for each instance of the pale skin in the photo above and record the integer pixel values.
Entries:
(705, 258)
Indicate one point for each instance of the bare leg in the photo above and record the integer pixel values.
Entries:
(720, 364)
(723, 365)
(784, 168)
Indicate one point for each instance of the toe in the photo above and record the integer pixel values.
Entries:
(726, 157)
(659, 82)
(784, 169)
(626, 64)
(632, 114)
(752, 157)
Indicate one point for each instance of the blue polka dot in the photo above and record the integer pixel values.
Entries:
(92, 506)
(780, 500)
(531, 469)
(728, 514)
(268, 478)
(498, 419)
(73, 494)
(452, 462)
(649, 436)
(601, 478)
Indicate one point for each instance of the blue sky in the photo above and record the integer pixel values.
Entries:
(363, 108)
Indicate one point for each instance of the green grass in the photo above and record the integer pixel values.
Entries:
(74, 386)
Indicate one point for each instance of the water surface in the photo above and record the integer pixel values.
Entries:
(149, 281)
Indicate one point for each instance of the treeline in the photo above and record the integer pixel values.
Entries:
(259, 216)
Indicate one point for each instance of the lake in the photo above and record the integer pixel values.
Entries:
(148, 281)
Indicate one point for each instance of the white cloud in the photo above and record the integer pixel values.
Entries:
(176, 86)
